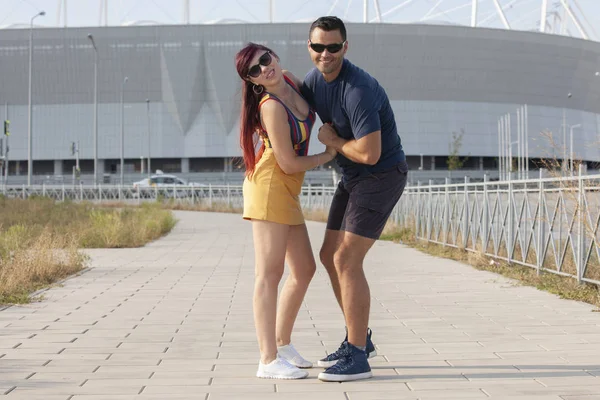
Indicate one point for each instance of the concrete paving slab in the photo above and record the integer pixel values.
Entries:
(174, 320)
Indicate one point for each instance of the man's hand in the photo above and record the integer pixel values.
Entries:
(327, 135)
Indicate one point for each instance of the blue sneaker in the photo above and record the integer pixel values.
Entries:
(333, 358)
(352, 366)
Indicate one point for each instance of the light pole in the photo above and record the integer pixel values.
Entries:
(499, 149)
(571, 140)
(565, 164)
(29, 112)
(526, 129)
(123, 128)
(148, 122)
(95, 108)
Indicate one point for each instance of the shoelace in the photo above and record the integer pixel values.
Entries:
(334, 355)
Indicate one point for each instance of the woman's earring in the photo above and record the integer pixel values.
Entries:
(258, 89)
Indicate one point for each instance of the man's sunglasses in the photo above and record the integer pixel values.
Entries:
(332, 48)
(264, 60)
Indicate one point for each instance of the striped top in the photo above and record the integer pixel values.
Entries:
(299, 129)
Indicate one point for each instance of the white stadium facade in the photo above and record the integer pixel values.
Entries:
(173, 92)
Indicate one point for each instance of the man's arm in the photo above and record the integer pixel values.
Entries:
(362, 108)
(366, 150)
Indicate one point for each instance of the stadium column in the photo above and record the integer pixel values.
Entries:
(58, 167)
(227, 164)
(101, 170)
(185, 165)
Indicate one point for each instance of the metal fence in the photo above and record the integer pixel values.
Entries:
(209, 195)
(550, 224)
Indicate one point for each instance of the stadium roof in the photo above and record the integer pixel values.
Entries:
(577, 18)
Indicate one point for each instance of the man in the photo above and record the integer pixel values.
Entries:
(358, 122)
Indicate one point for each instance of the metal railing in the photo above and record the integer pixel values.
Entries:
(550, 224)
(209, 195)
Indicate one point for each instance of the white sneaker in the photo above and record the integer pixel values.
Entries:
(279, 369)
(291, 355)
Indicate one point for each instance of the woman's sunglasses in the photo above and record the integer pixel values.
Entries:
(264, 60)
(332, 48)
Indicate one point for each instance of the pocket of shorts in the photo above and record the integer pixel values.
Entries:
(371, 205)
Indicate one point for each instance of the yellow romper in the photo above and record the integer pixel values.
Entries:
(271, 194)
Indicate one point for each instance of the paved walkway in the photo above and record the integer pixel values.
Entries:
(173, 320)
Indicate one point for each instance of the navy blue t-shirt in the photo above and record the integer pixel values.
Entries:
(356, 105)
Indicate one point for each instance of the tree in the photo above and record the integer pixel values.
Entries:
(454, 161)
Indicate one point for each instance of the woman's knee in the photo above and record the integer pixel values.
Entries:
(308, 272)
(268, 276)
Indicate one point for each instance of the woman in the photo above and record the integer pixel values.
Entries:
(274, 110)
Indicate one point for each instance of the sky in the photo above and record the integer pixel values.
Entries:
(521, 14)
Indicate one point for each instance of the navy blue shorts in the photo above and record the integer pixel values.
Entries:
(362, 205)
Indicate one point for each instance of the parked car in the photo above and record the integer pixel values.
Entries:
(166, 184)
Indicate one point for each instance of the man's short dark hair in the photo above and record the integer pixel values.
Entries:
(329, 24)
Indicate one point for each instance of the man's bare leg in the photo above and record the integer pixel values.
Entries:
(353, 285)
(331, 243)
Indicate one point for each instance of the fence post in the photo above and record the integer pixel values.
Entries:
(228, 195)
(418, 213)
(580, 227)
(485, 222)
(210, 195)
(430, 215)
(23, 192)
(63, 192)
(541, 225)
(510, 220)
(446, 221)
(465, 227)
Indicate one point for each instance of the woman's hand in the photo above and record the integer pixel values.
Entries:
(331, 151)
(327, 135)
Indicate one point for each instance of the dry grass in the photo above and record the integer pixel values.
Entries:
(124, 227)
(39, 239)
(570, 192)
(30, 261)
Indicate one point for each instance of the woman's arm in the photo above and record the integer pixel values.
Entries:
(274, 120)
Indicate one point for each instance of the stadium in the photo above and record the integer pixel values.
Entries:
(173, 94)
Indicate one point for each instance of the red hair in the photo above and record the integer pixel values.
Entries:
(250, 117)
